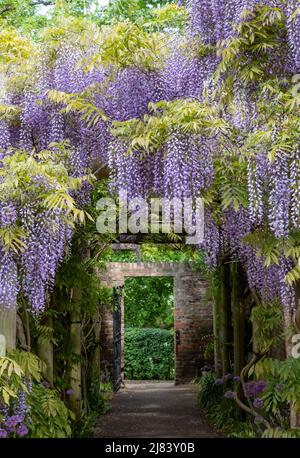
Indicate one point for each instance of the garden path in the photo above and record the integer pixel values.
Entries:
(155, 409)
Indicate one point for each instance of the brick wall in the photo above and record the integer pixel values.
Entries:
(192, 313)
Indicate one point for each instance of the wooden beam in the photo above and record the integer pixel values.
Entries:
(8, 325)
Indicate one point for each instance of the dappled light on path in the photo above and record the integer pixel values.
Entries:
(155, 409)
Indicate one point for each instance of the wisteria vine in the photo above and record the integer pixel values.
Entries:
(184, 166)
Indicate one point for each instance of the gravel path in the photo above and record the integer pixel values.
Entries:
(155, 409)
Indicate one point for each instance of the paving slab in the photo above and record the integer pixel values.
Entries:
(155, 409)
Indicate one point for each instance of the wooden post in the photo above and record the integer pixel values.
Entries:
(45, 352)
(75, 349)
(238, 323)
(96, 365)
(295, 416)
(298, 306)
(225, 321)
(217, 327)
(2, 346)
(238, 317)
(75, 399)
(8, 325)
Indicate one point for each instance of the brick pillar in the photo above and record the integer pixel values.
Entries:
(122, 335)
(193, 320)
(107, 344)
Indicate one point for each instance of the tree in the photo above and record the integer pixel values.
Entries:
(149, 302)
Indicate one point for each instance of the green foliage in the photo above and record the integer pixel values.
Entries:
(44, 333)
(50, 417)
(99, 396)
(280, 433)
(19, 173)
(21, 14)
(210, 393)
(153, 252)
(172, 253)
(243, 430)
(149, 302)
(137, 36)
(220, 411)
(169, 16)
(136, 11)
(149, 354)
(209, 350)
(229, 188)
(79, 273)
(110, 255)
(11, 380)
(188, 115)
(125, 45)
(79, 103)
(283, 387)
(9, 112)
(282, 392)
(271, 249)
(30, 364)
(267, 322)
(246, 54)
(13, 47)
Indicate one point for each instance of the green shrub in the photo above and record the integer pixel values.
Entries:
(50, 417)
(210, 394)
(149, 302)
(220, 411)
(149, 354)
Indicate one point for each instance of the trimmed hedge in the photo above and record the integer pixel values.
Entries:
(149, 354)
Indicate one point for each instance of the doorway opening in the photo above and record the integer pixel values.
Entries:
(192, 316)
(148, 328)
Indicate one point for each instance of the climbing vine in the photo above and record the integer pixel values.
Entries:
(192, 100)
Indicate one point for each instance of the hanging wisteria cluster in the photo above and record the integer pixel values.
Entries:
(16, 417)
(47, 232)
(184, 166)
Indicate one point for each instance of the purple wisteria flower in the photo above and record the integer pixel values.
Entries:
(69, 392)
(22, 430)
(219, 381)
(253, 388)
(261, 386)
(258, 420)
(237, 379)
(3, 433)
(229, 394)
(228, 377)
(258, 403)
(13, 421)
(249, 389)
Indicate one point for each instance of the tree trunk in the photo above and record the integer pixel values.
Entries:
(75, 399)
(75, 349)
(295, 416)
(45, 353)
(8, 325)
(238, 322)
(217, 330)
(225, 323)
(96, 364)
(238, 318)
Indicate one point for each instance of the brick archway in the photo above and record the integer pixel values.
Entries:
(193, 317)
